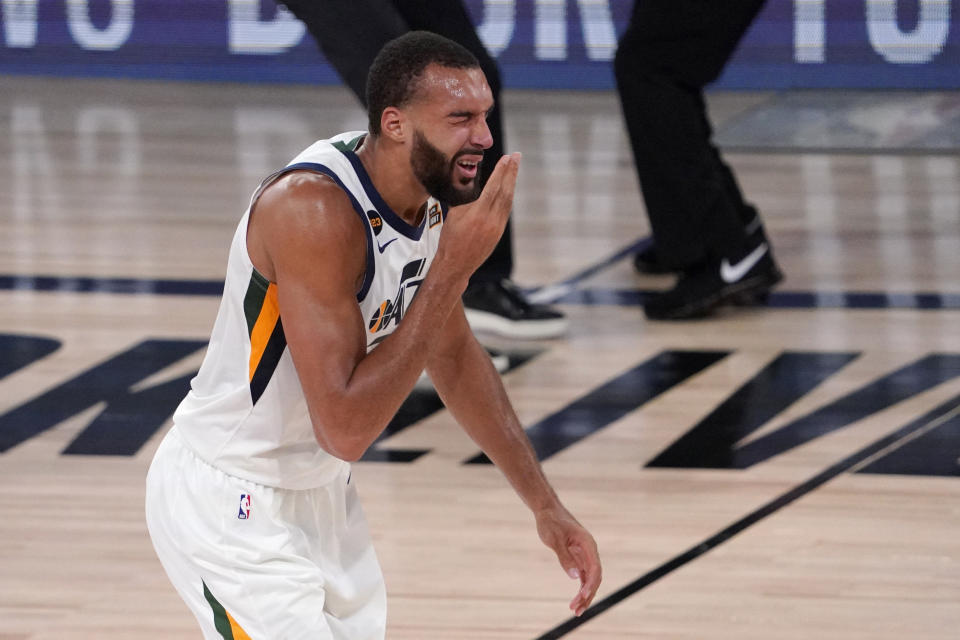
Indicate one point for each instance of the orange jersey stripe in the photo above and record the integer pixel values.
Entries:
(266, 321)
(238, 632)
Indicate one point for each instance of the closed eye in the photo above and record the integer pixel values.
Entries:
(461, 117)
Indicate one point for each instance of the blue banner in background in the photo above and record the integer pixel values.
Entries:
(566, 44)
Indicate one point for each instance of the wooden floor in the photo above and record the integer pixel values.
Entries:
(785, 472)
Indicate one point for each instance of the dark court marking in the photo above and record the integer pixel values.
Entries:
(714, 443)
(133, 286)
(933, 453)
(613, 400)
(131, 414)
(20, 351)
(565, 291)
(897, 386)
(784, 299)
(947, 413)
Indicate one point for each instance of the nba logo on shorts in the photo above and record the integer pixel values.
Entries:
(244, 506)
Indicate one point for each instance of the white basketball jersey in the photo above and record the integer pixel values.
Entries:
(246, 413)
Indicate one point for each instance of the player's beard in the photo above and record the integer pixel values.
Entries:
(435, 172)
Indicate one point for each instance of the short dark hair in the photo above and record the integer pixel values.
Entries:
(397, 69)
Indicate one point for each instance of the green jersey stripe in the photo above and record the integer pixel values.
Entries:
(253, 299)
(220, 619)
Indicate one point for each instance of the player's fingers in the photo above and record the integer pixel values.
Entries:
(502, 202)
(580, 602)
(573, 571)
(495, 181)
(590, 571)
(501, 198)
(585, 555)
(509, 184)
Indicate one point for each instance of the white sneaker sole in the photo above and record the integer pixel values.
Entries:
(482, 321)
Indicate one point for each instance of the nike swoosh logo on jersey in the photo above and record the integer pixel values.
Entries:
(383, 247)
(733, 272)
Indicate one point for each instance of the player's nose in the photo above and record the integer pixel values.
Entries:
(480, 135)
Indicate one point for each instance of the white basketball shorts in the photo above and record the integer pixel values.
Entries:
(263, 563)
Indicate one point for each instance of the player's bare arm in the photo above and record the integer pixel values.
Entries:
(305, 236)
(473, 392)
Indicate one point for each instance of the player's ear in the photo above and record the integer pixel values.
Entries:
(394, 124)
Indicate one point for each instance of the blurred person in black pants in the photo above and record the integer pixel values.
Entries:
(350, 33)
(702, 226)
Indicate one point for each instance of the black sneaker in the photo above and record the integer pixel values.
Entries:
(700, 290)
(499, 307)
(756, 234)
(647, 261)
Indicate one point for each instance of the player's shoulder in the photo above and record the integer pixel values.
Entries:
(304, 193)
(305, 218)
(304, 183)
(322, 170)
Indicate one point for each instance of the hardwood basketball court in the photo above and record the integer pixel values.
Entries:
(781, 472)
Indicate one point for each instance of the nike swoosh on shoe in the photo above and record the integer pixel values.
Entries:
(731, 273)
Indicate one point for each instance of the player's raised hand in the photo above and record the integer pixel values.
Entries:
(472, 230)
(576, 550)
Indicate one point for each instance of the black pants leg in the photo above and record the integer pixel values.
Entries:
(669, 52)
(450, 19)
(350, 33)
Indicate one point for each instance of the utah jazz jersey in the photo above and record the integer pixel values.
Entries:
(246, 413)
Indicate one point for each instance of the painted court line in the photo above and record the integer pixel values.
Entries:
(947, 411)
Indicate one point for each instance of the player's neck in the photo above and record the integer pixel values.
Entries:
(389, 169)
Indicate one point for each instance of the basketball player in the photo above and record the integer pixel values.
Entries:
(343, 283)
